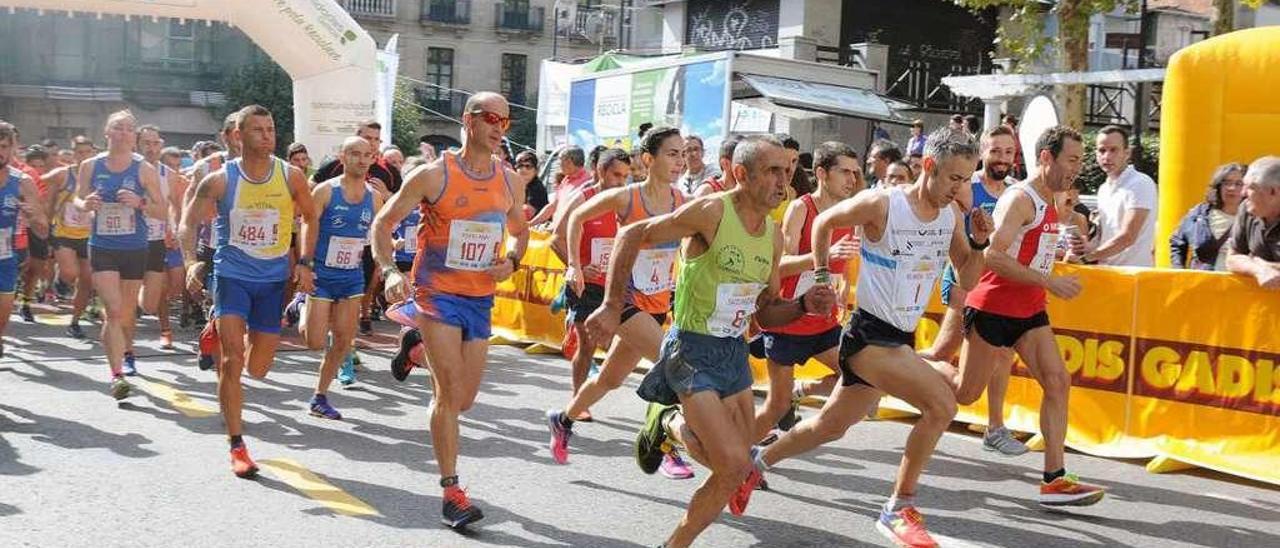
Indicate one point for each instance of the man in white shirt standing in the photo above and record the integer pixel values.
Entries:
(1126, 206)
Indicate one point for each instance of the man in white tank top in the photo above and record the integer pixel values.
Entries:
(909, 232)
(163, 274)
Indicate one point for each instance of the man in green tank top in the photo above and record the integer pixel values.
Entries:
(728, 273)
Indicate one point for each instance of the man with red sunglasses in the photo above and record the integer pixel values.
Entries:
(470, 204)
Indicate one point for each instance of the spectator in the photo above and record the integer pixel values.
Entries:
(899, 173)
(1254, 248)
(915, 146)
(639, 171)
(298, 157)
(426, 149)
(1198, 242)
(535, 193)
(572, 176)
(882, 154)
(395, 158)
(1126, 206)
(696, 170)
(1069, 215)
(972, 125)
(379, 172)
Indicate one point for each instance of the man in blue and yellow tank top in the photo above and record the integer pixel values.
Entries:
(122, 191)
(346, 204)
(470, 204)
(18, 194)
(255, 197)
(70, 228)
(728, 272)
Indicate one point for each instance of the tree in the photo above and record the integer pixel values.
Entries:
(1224, 16)
(405, 119)
(264, 83)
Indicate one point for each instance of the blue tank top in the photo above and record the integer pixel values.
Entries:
(10, 208)
(981, 199)
(408, 231)
(254, 225)
(115, 225)
(344, 230)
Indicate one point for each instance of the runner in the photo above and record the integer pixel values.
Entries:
(725, 181)
(467, 201)
(254, 197)
(998, 150)
(18, 198)
(122, 191)
(35, 163)
(71, 228)
(908, 233)
(649, 285)
(728, 272)
(164, 261)
(785, 347)
(596, 233)
(1007, 308)
(346, 204)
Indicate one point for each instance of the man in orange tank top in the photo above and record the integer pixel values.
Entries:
(469, 205)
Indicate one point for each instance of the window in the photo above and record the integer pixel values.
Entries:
(181, 41)
(515, 6)
(513, 76)
(439, 73)
(588, 4)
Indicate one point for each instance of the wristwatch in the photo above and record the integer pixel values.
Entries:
(307, 262)
(976, 246)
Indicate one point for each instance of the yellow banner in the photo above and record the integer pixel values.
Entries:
(1171, 363)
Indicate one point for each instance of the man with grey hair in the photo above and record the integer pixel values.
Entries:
(574, 175)
(908, 234)
(728, 275)
(1254, 248)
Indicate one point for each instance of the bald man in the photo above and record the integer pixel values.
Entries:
(461, 257)
(346, 204)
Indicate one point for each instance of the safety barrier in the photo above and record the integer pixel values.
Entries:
(1177, 365)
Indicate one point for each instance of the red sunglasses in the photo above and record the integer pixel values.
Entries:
(493, 119)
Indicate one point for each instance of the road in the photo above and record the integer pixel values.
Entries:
(78, 469)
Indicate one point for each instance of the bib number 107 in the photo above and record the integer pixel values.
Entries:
(475, 251)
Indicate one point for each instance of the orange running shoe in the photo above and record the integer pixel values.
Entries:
(1068, 491)
(241, 465)
(457, 508)
(905, 528)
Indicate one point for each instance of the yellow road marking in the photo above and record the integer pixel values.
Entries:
(315, 487)
(53, 319)
(178, 399)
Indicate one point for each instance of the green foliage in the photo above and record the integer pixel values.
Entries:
(1092, 176)
(405, 119)
(524, 128)
(1021, 36)
(264, 83)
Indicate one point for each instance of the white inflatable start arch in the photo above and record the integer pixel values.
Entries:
(330, 58)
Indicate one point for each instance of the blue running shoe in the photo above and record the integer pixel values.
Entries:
(320, 408)
(130, 365)
(347, 373)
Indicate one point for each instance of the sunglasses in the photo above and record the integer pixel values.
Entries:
(493, 119)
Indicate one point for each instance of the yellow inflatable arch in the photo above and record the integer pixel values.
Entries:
(1220, 106)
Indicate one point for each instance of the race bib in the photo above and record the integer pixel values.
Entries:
(344, 253)
(734, 305)
(74, 217)
(600, 250)
(255, 230)
(915, 286)
(1046, 253)
(652, 271)
(155, 229)
(6, 243)
(410, 240)
(473, 244)
(115, 219)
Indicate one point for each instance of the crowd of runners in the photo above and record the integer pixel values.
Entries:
(693, 283)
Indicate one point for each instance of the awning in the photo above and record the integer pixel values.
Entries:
(795, 95)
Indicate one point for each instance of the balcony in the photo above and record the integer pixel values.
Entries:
(595, 25)
(446, 12)
(370, 9)
(518, 21)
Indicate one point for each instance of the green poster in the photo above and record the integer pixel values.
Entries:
(644, 85)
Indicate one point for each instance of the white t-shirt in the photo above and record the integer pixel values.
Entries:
(1132, 190)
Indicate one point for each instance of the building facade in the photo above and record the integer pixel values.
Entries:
(450, 47)
(61, 75)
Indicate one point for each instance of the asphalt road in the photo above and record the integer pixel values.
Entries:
(78, 469)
